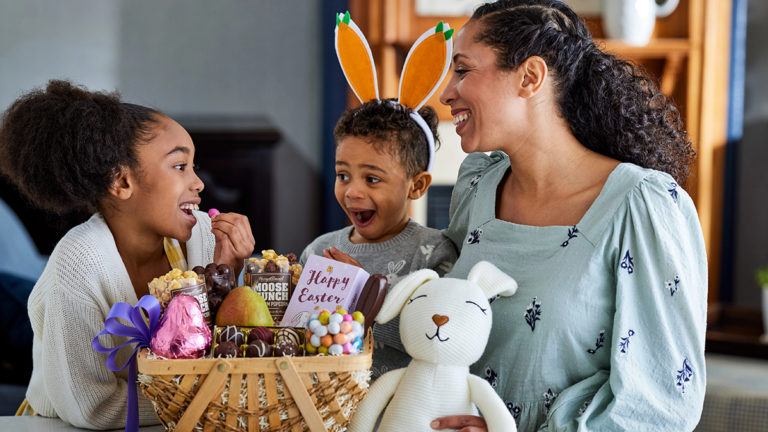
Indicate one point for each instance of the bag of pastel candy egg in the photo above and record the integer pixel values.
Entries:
(337, 333)
(219, 281)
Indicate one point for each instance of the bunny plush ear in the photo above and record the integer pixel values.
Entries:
(491, 280)
(425, 66)
(355, 58)
(400, 293)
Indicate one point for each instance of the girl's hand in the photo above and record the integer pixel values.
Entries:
(234, 240)
(335, 254)
(463, 423)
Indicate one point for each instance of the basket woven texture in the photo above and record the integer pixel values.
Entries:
(316, 394)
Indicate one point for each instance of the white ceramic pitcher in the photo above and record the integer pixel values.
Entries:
(632, 21)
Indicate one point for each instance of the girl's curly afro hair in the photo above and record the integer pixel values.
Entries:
(62, 146)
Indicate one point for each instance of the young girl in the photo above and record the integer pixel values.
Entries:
(69, 149)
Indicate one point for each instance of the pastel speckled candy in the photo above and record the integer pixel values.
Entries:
(334, 334)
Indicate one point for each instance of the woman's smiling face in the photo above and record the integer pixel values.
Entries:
(168, 188)
(485, 105)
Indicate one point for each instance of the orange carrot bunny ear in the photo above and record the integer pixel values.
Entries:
(356, 59)
(425, 66)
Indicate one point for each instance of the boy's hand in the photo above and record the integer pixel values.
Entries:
(234, 240)
(338, 255)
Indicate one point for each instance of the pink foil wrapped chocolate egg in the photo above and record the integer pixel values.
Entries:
(182, 332)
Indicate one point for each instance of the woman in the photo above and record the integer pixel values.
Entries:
(580, 202)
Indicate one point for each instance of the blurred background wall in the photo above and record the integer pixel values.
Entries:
(227, 58)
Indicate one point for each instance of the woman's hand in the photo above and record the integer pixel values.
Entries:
(335, 254)
(234, 240)
(463, 423)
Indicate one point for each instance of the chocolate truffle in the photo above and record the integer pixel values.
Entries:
(261, 333)
(225, 349)
(258, 348)
(292, 258)
(288, 334)
(286, 348)
(233, 334)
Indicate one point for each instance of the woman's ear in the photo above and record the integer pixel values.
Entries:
(419, 185)
(123, 184)
(534, 72)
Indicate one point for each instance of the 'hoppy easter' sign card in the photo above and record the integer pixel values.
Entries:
(324, 284)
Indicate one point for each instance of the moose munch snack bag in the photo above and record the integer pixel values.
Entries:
(274, 277)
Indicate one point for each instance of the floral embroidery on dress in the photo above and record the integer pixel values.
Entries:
(474, 236)
(628, 263)
(673, 191)
(491, 376)
(533, 313)
(584, 406)
(474, 181)
(599, 343)
(514, 410)
(549, 398)
(673, 285)
(624, 343)
(684, 375)
(572, 234)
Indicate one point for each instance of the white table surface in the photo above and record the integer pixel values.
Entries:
(44, 424)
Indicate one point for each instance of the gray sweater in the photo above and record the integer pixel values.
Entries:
(416, 247)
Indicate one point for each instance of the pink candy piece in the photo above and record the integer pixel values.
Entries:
(213, 212)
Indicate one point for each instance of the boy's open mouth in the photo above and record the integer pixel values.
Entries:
(363, 217)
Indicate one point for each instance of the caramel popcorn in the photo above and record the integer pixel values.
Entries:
(161, 286)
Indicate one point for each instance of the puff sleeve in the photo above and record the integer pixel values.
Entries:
(656, 380)
(472, 170)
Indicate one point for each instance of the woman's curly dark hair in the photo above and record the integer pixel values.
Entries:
(610, 106)
(62, 146)
(390, 128)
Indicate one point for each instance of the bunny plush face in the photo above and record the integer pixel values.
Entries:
(446, 321)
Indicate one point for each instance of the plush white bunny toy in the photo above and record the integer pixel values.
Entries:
(444, 326)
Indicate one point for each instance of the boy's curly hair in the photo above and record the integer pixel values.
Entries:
(390, 128)
(62, 146)
(610, 106)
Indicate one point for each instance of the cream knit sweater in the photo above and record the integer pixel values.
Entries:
(84, 277)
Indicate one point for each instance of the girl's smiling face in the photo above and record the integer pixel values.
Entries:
(167, 187)
(372, 188)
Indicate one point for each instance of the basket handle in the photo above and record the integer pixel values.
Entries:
(212, 386)
(300, 396)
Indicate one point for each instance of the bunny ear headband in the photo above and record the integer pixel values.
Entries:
(425, 67)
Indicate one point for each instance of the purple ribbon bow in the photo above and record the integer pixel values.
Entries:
(139, 334)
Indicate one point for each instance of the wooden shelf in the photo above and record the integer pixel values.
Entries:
(656, 48)
(735, 331)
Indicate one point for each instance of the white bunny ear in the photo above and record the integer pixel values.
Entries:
(397, 295)
(491, 280)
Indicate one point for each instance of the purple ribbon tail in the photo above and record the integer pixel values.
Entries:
(132, 416)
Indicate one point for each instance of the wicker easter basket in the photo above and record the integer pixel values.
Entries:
(317, 394)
